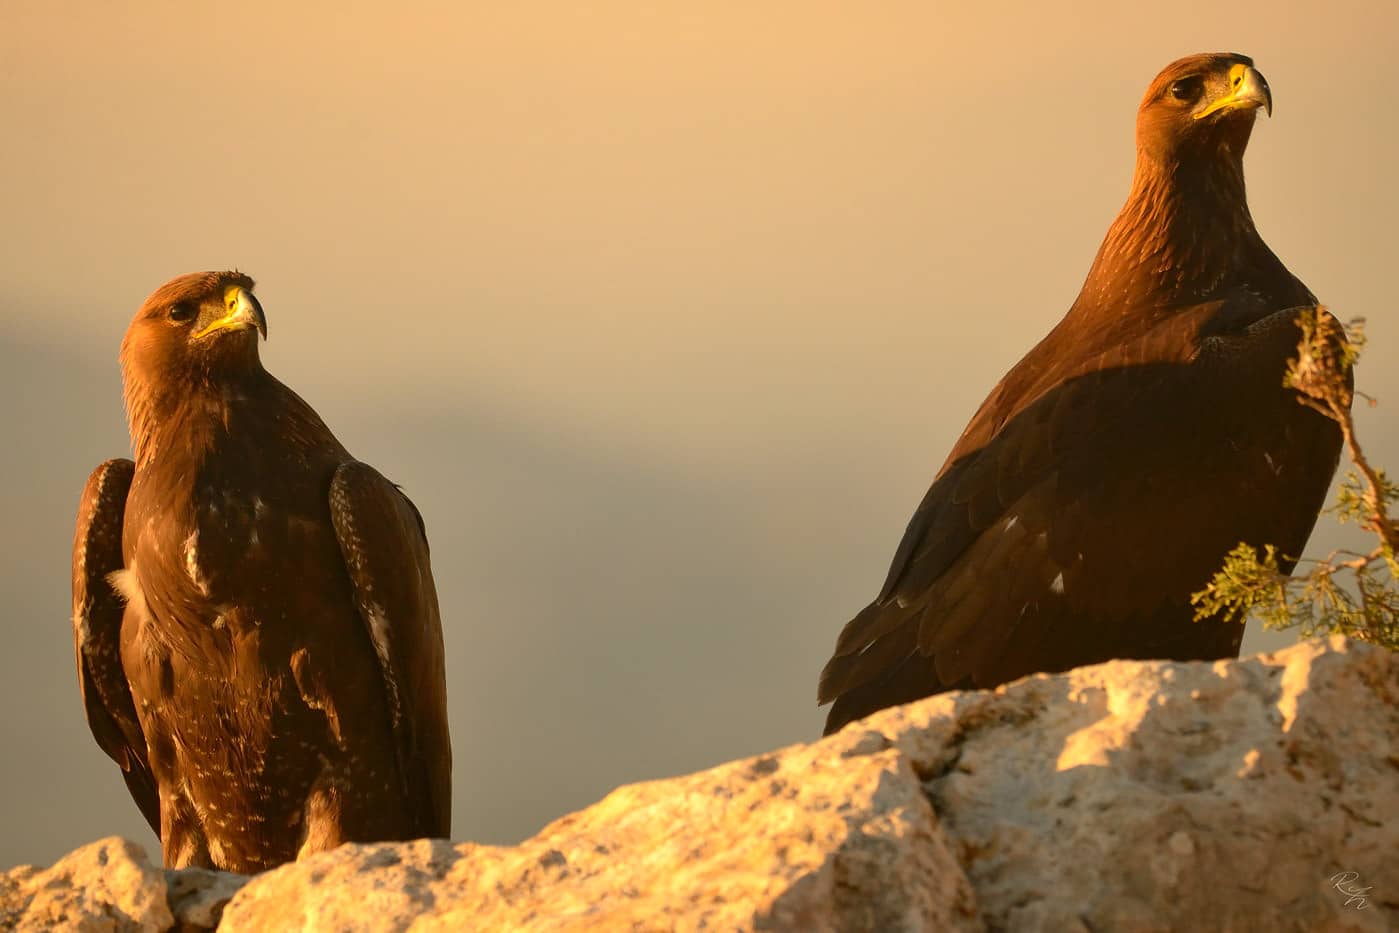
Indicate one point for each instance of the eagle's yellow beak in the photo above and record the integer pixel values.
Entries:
(1247, 90)
(243, 311)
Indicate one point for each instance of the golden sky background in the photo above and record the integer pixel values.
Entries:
(665, 315)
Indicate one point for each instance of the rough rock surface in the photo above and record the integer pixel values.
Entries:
(1127, 796)
(106, 885)
(111, 885)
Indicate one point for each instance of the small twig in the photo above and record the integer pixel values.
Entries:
(1327, 393)
(1379, 520)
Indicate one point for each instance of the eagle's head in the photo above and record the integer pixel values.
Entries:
(194, 338)
(1201, 107)
(199, 327)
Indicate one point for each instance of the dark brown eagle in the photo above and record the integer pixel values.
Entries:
(1107, 475)
(255, 620)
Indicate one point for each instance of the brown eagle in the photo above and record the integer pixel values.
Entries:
(1107, 475)
(254, 615)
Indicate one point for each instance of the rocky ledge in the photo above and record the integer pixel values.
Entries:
(1259, 794)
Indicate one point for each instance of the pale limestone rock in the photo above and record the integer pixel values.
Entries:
(1128, 796)
(1157, 796)
(108, 885)
(800, 840)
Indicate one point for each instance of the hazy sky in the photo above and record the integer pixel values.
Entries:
(665, 315)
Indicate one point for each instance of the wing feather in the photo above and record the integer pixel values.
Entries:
(385, 548)
(988, 559)
(1087, 499)
(97, 617)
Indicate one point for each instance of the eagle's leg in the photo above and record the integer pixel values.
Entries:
(323, 813)
(182, 840)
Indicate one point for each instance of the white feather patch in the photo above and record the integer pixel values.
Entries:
(379, 634)
(192, 563)
(128, 587)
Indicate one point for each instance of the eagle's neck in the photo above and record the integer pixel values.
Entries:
(1184, 234)
(183, 418)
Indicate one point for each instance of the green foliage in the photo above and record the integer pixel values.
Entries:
(1352, 593)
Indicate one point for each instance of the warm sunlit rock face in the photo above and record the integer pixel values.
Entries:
(1258, 794)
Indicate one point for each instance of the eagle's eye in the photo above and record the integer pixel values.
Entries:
(182, 312)
(1188, 89)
